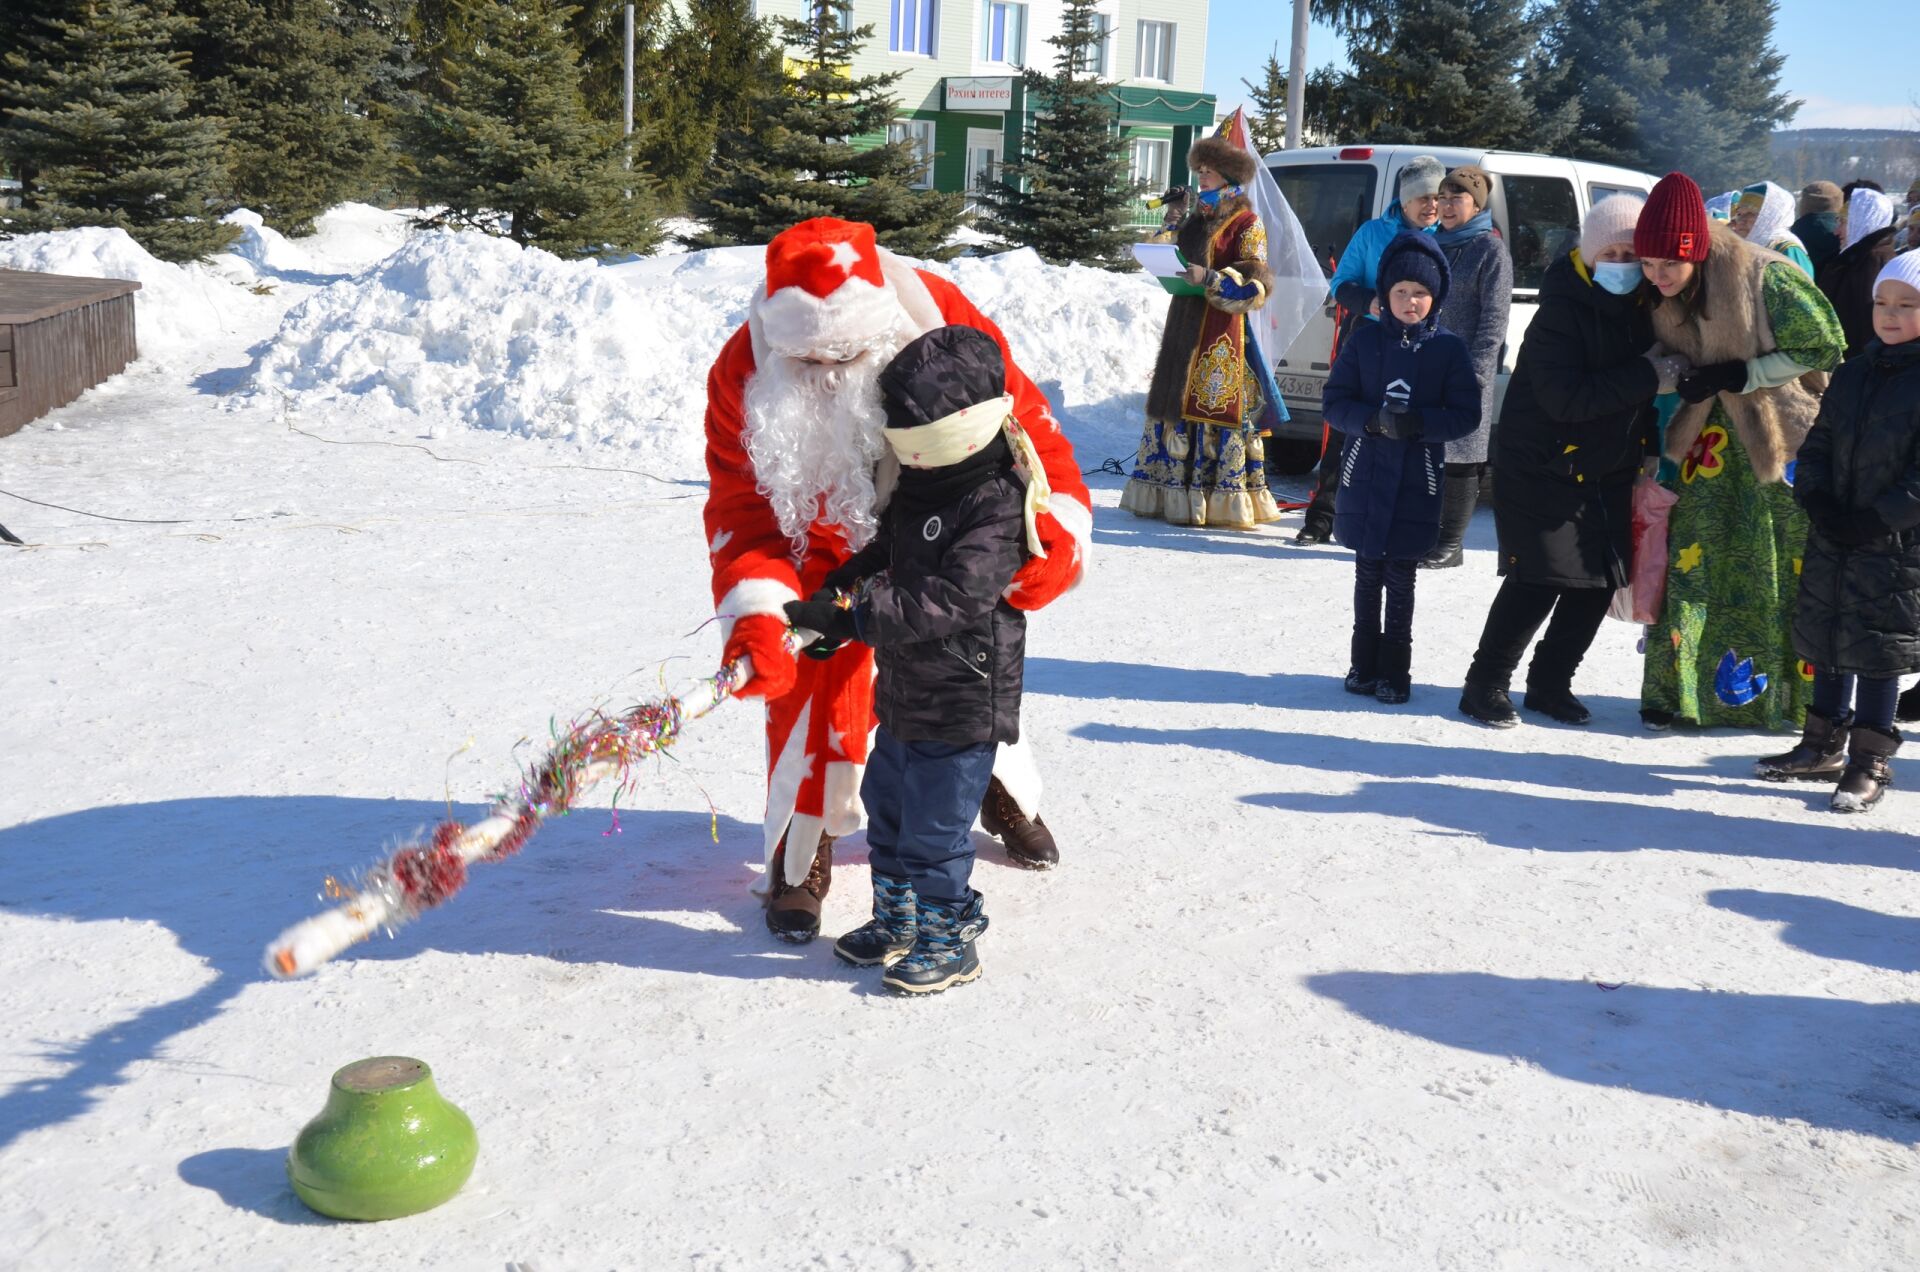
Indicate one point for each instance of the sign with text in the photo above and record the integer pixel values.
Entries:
(977, 92)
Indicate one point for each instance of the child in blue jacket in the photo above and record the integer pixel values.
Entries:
(1399, 391)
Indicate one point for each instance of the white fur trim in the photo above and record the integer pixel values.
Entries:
(842, 797)
(752, 596)
(1076, 519)
(803, 834)
(796, 323)
(783, 790)
(1014, 765)
(922, 310)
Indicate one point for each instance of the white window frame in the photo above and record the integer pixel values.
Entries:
(923, 16)
(1015, 9)
(1101, 64)
(1154, 51)
(1157, 168)
(920, 133)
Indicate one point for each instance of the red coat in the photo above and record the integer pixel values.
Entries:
(817, 734)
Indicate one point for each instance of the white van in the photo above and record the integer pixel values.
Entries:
(1538, 203)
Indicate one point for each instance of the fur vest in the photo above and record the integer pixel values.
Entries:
(1733, 325)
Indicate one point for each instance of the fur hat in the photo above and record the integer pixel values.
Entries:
(1421, 176)
(825, 291)
(1609, 222)
(1904, 268)
(1414, 258)
(1468, 179)
(1819, 196)
(1673, 225)
(1235, 166)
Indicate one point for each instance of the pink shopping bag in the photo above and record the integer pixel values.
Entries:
(1646, 590)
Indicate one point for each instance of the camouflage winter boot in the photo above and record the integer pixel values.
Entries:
(889, 933)
(942, 953)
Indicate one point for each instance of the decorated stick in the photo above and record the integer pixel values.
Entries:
(422, 875)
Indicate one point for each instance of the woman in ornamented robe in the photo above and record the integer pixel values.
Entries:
(1212, 399)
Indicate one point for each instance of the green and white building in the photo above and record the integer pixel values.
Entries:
(962, 101)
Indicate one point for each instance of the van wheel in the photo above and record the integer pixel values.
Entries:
(1291, 456)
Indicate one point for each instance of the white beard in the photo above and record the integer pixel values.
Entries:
(814, 434)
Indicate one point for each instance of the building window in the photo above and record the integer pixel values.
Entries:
(826, 15)
(1155, 61)
(1003, 32)
(913, 27)
(1150, 163)
(1097, 58)
(920, 133)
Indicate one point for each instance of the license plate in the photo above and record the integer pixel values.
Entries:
(1300, 386)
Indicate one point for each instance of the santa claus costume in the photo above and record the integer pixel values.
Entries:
(799, 469)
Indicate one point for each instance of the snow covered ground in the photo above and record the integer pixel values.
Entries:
(1318, 985)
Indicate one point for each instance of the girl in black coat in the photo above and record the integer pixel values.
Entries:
(1858, 617)
(1575, 428)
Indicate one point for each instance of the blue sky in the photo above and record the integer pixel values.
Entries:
(1845, 77)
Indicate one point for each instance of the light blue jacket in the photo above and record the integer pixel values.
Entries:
(1360, 263)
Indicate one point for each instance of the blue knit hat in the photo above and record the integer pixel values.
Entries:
(1414, 258)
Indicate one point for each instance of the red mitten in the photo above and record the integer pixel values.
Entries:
(763, 638)
(1043, 580)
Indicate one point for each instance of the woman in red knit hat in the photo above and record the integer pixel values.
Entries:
(1760, 337)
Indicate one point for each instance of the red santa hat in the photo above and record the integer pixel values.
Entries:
(826, 294)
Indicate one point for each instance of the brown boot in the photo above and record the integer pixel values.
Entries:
(1028, 841)
(793, 914)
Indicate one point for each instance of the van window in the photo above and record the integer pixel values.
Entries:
(1543, 224)
(1331, 200)
(1597, 192)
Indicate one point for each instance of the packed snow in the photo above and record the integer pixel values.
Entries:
(1318, 985)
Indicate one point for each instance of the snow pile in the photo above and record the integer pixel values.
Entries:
(467, 330)
(176, 307)
(472, 331)
(263, 247)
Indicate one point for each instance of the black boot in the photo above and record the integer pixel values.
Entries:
(1867, 776)
(1489, 704)
(1396, 680)
(1458, 496)
(1318, 524)
(1819, 756)
(1363, 673)
(1556, 702)
(1908, 705)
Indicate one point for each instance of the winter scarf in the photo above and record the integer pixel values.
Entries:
(1732, 325)
(1481, 223)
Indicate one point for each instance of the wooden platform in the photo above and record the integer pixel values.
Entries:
(59, 336)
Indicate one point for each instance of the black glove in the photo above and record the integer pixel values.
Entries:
(834, 624)
(1399, 421)
(845, 578)
(1702, 383)
(1820, 506)
(1855, 527)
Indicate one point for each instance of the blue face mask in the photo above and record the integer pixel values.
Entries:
(1211, 198)
(1616, 277)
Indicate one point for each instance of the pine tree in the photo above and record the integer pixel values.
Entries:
(798, 152)
(1662, 87)
(1440, 72)
(714, 64)
(292, 81)
(503, 142)
(1069, 195)
(1267, 121)
(98, 127)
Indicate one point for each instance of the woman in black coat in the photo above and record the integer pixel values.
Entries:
(1576, 425)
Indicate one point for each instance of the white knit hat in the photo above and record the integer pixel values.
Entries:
(1422, 175)
(1904, 268)
(1609, 221)
(1867, 211)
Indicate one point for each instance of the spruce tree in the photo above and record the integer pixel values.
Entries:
(719, 62)
(1440, 72)
(1069, 195)
(503, 143)
(1662, 87)
(292, 81)
(799, 152)
(1267, 120)
(98, 126)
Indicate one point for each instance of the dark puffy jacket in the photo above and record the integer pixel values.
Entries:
(1577, 422)
(1847, 280)
(1819, 233)
(950, 651)
(1389, 500)
(1859, 608)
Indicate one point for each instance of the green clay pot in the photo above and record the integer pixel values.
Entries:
(386, 1145)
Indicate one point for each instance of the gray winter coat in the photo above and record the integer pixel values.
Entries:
(1476, 311)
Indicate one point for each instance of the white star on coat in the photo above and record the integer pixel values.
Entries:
(836, 741)
(720, 540)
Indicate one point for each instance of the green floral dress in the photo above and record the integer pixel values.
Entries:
(1722, 652)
